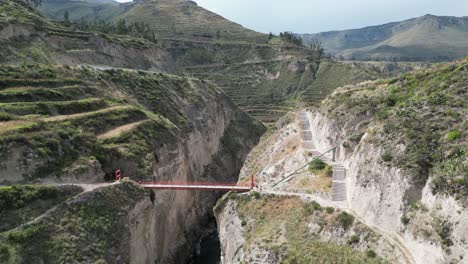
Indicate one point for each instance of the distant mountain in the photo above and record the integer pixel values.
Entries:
(427, 38)
(174, 19)
(77, 9)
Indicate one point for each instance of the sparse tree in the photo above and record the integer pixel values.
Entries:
(316, 45)
(121, 26)
(290, 37)
(66, 18)
(270, 36)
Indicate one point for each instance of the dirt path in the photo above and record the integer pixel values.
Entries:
(9, 125)
(392, 239)
(86, 188)
(116, 132)
(66, 117)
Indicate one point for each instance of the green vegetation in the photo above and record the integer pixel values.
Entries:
(425, 112)
(331, 75)
(83, 229)
(57, 118)
(18, 196)
(354, 240)
(255, 194)
(290, 37)
(371, 253)
(135, 29)
(329, 210)
(21, 11)
(405, 219)
(313, 206)
(175, 20)
(21, 203)
(453, 135)
(282, 226)
(24, 233)
(345, 220)
(443, 229)
(387, 156)
(318, 166)
(266, 90)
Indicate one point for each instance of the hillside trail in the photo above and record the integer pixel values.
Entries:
(87, 187)
(116, 132)
(235, 63)
(393, 239)
(72, 116)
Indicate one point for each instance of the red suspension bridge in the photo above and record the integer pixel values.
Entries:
(189, 185)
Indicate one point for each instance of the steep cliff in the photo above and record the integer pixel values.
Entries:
(405, 154)
(64, 124)
(403, 146)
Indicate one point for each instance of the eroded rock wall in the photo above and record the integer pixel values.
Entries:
(382, 194)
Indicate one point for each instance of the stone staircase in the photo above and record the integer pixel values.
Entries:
(339, 172)
(338, 191)
(339, 183)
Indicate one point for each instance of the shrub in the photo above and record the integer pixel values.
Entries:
(345, 220)
(371, 253)
(317, 165)
(405, 220)
(255, 194)
(243, 222)
(329, 210)
(24, 233)
(453, 135)
(313, 206)
(6, 116)
(387, 156)
(329, 170)
(353, 240)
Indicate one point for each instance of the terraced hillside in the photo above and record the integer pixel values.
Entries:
(184, 19)
(168, 19)
(62, 122)
(62, 125)
(332, 74)
(87, 9)
(27, 36)
(264, 89)
(269, 75)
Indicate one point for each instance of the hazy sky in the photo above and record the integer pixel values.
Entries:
(310, 16)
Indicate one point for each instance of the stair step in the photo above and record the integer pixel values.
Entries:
(338, 191)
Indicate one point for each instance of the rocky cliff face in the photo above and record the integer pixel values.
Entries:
(187, 130)
(403, 148)
(213, 152)
(403, 200)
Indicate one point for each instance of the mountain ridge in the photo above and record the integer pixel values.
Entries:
(426, 38)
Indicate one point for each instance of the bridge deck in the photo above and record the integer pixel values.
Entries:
(164, 186)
